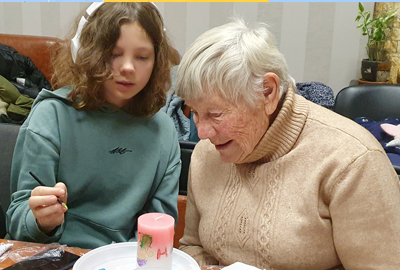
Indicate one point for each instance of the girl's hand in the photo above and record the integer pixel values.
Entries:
(44, 205)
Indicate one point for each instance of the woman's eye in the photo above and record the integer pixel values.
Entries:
(215, 115)
(143, 57)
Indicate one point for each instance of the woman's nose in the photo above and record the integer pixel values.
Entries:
(205, 130)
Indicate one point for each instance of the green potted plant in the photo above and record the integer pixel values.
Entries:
(377, 67)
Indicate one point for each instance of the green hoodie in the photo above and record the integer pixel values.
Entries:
(116, 167)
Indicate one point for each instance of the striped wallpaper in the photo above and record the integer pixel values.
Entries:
(320, 40)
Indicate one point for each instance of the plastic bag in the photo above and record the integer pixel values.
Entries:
(55, 252)
(4, 247)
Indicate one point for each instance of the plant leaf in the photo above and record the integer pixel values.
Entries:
(360, 7)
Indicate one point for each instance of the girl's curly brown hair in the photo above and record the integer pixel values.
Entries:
(93, 62)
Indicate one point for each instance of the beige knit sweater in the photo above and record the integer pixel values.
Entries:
(318, 191)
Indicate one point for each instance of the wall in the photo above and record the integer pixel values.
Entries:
(393, 44)
(320, 40)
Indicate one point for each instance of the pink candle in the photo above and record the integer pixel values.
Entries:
(155, 241)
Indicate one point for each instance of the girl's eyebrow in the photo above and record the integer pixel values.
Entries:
(144, 49)
(139, 49)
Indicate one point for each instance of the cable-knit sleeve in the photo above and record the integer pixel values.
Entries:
(190, 242)
(365, 210)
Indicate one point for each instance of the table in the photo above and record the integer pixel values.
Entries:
(78, 251)
(23, 246)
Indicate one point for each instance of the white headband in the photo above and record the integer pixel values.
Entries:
(75, 45)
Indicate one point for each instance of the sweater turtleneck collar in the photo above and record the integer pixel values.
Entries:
(284, 131)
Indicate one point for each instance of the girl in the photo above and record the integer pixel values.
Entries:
(99, 143)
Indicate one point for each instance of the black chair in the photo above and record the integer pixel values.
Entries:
(3, 230)
(375, 102)
(186, 153)
(8, 136)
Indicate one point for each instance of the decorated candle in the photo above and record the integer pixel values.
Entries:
(155, 241)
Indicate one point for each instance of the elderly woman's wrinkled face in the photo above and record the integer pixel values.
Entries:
(234, 129)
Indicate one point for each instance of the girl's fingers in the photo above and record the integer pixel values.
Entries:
(43, 191)
(63, 194)
(42, 201)
(43, 212)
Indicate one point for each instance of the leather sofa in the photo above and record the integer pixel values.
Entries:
(35, 47)
(39, 50)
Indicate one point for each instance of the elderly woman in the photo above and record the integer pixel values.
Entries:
(277, 181)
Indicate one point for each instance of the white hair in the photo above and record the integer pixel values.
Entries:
(231, 60)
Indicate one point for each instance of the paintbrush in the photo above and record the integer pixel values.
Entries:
(42, 184)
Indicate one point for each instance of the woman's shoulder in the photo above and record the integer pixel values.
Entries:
(338, 128)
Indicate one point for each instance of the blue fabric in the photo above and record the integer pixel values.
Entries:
(173, 108)
(375, 128)
(193, 137)
(317, 92)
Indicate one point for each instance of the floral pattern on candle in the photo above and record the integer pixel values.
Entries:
(144, 249)
(155, 240)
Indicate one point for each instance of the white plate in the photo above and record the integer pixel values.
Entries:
(122, 256)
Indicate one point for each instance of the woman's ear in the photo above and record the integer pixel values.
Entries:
(271, 84)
